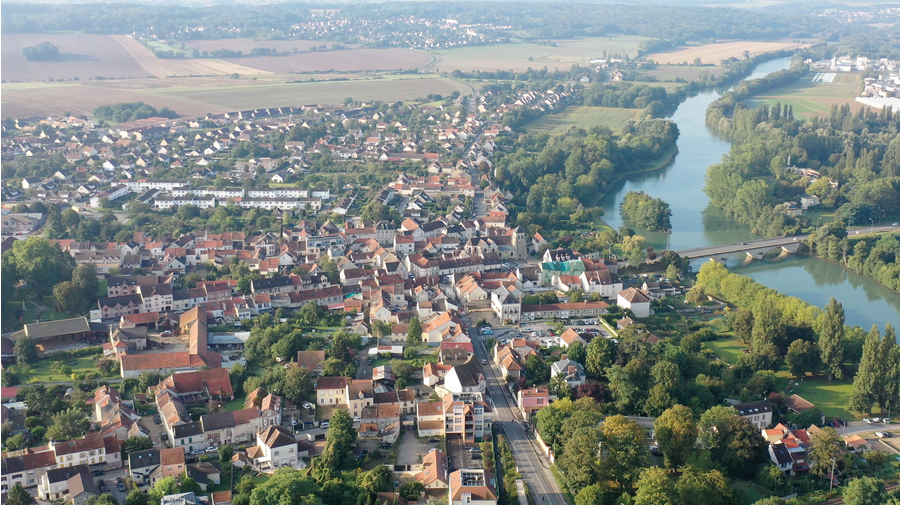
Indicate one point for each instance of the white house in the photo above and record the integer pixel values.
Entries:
(634, 300)
(275, 448)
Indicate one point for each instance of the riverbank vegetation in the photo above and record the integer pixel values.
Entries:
(850, 161)
(647, 212)
(555, 180)
(877, 257)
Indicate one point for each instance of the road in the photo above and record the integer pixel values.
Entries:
(534, 467)
(700, 252)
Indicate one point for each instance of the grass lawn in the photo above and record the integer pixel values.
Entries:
(829, 397)
(583, 117)
(728, 350)
(811, 99)
(236, 404)
(41, 371)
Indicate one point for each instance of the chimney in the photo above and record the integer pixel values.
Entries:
(564, 356)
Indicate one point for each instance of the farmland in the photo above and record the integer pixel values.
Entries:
(514, 56)
(583, 117)
(810, 99)
(337, 60)
(198, 96)
(688, 73)
(247, 45)
(715, 53)
(81, 56)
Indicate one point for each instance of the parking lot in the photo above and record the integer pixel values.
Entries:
(542, 331)
(412, 449)
(460, 456)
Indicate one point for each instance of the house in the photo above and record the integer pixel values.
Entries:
(331, 390)
(171, 463)
(188, 437)
(465, 378)
(532, 400)
(435, 472)
(55, 483)
(312, 361)
(275, 448)
(796, 404)
(758, 413)
(856, 443)
(569, 337)
(563, 310)
(635, 301)
(81, 489)
(179, 499)
(466, 415)
(143, 464)
(572, 371)
(205, 474)
(472, 487)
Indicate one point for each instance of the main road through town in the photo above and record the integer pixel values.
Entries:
(532, 464)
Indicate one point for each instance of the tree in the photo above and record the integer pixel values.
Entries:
(189, 485)
(601, 354)
(26, 350)
(624, 451)
(696, 487)
(341, 345)
(824, 448)
(578, 462)
(865, 491)
(19, 496)
(68, 424)
(225, 453)
(890, 370)
(163, 487)
(633, 247)
(536, 369)
(802, 357)
(830, 328)
(676, 433)
(655, 488)
(338, 452)
(740, 447)
(134, 444)
(577, 352)
(412, 490)
(591, 495)
(742, 325)
(696, 295)
(559, 387)
(298, 385)
(286, 487)
(85, 278)
(136, 497)
(41, 264)
(103, 499)
(69, 298)
(414, 332)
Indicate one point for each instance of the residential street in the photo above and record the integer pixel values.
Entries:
(533, 466)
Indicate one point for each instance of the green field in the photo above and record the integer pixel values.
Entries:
(813, 99)
(688, 73)
(42, 372)
(829, 397)
(583, 117)
(515, 56)
(194, 97)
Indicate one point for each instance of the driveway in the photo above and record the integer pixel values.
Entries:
(412, 449)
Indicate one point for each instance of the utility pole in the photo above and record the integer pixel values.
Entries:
(872, 230)
(831, 483)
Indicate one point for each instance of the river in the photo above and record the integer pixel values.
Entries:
(696, 223)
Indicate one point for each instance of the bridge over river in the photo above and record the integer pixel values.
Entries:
(757, 249)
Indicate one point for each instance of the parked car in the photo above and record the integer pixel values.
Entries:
(97, 473)
(476, 456)
(323, 424)
(868, 421)
(484, 362)
(886, 420)
(654, 450)
(475, 449)
(210, 449)
(121, 487)
(197, 452)
(385, 445)
(876, 419)
(166, 333)
(433, 440)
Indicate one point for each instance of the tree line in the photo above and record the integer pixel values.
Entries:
(557, 179)
(647, 212)
(122, 112)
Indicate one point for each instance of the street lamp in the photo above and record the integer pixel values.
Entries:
(872, 230)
